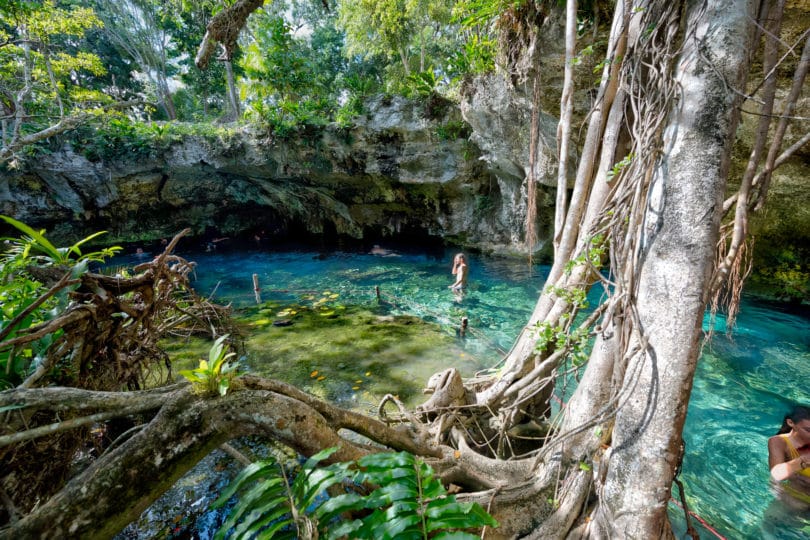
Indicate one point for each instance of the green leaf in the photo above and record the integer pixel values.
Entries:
(41, 241)
(216, 349)
(334, 506)
(410, 502)
(455, 535)
(75, 247)
(192, 376)
(248, 474)
(263, 515)
(396, 526)
(344, 530)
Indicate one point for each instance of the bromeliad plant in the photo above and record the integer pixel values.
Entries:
(214, 375)
(410, 503)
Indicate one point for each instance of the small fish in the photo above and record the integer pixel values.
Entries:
(359, 381)
(314, 373)
(355, 388)
(322, 377)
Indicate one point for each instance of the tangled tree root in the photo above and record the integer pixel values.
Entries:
(107, 339)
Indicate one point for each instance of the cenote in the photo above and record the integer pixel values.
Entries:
(744, 383)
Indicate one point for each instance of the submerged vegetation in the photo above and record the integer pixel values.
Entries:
(350, 354)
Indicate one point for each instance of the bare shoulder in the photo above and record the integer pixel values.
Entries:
(777, 449)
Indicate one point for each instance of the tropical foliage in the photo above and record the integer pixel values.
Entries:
(72, 63)
(20, 289)
(409, 502)
(215, 375)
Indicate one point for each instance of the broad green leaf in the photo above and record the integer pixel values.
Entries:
(334, 506)
(248, 474)
(192, 376)
(263, 515)
(385, 461)
(75, 247)
(455, 535)
(216, 349)
(41, 241)
(397, 526)
(344, 529)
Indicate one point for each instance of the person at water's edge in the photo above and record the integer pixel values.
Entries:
(789, 464)
(460, 270)
(789, 449)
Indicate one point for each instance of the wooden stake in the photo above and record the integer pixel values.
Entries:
(256, 289)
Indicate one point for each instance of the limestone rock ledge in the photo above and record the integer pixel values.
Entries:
(402, 168)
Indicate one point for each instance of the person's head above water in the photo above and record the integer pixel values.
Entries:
(798, 421)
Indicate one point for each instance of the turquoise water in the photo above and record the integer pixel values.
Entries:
(743, 386)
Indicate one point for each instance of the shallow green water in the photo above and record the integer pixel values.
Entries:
(743, 385)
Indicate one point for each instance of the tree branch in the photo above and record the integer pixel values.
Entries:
(65, 124)
(345, 419)
(185, 430)
(64, 282)
(78, 400)
(224, 28)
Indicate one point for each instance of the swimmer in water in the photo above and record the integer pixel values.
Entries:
(789, 463)
(460, 270)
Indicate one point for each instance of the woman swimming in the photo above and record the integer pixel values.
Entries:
(789, 463)
(789, 449)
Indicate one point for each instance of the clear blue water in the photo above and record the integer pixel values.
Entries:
(744, 383)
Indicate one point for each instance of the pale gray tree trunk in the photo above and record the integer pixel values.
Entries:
(679, 238)
(233, 95)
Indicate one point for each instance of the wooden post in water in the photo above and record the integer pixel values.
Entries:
(377, 290)
(256, 290)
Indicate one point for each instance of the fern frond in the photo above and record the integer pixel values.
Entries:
(410, 503)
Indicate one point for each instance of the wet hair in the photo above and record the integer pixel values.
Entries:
(796, 414)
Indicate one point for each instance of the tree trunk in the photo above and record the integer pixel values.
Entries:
(683, 218)
(165, 95)
(233, 96)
